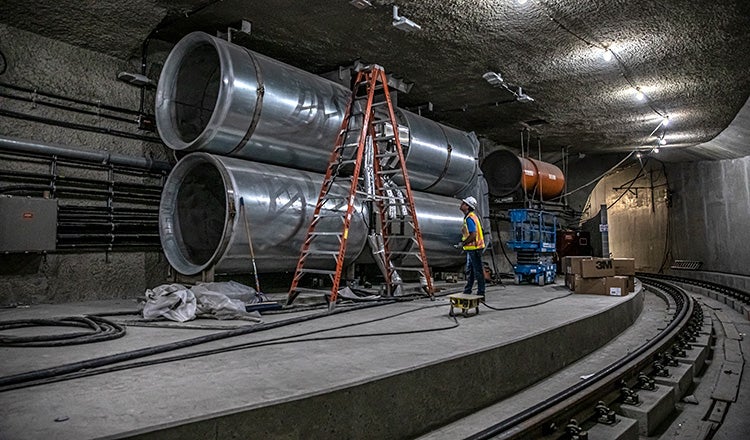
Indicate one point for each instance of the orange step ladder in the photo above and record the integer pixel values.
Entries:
(364, 141)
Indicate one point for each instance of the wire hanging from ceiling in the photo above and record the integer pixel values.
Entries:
(625, 72)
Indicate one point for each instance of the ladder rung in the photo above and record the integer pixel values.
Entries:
(318, 271)
(344, 162)
(309, 290)
(309, 252)
(330, 216)
(350, 145)
(326, 233)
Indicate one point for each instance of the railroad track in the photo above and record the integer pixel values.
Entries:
(626, 388)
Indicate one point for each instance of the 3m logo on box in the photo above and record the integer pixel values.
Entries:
(597, 267)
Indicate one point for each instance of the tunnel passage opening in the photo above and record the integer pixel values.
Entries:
(200, 214)
(196, 90)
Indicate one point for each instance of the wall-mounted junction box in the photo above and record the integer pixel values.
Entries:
(27, 224)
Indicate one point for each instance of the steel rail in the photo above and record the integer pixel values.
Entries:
(578, 401)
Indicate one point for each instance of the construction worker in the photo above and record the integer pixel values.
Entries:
(472, 242)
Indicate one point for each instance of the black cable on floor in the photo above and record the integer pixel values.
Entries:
(100, 329)
(272, 341)
(149, 351)
(527, 305)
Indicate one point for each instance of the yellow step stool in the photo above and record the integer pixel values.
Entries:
(465, 302)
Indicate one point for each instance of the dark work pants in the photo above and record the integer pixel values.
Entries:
(474, 270)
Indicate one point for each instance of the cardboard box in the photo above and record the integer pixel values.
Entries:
(617, 286)
(572, 265)
(597, 268)
(570, 281)
(593, 286)
(624, 266)
(631, 284)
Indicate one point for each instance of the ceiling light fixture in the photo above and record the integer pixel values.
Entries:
(607, 54)
(493, 78)
(638, 155)
(522, 2)
(638, 94)
(361, 4)
(404, 23)
(662, 141)
(665, 120)
(522, 97)
(656, 149)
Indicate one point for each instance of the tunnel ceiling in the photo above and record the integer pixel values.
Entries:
(689, 58)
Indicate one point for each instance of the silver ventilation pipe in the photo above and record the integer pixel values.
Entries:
(214, 96)
(200, 221)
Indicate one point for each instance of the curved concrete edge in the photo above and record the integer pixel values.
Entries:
(414, 402)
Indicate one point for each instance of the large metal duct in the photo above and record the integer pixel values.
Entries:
(201, 223)
(439, 159)
(507, 173)
(214, 96)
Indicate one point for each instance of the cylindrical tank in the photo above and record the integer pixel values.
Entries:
(214, 96)
(202, 224)
(507, 173)
(439, 159)
(218, 97)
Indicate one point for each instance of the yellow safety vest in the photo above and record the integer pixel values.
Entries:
(478, 242)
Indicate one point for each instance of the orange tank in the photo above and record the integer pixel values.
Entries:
(507, 173)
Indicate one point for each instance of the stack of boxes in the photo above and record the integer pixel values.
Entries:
(600, 276)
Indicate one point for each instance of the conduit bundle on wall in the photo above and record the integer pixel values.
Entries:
(201, 223)
(214, 96)
(506, 173)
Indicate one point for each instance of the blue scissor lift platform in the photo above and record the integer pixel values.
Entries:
(533, 236)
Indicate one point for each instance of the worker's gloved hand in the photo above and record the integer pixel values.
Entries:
(458, 245)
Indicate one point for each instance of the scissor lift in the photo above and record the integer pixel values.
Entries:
(533, 236)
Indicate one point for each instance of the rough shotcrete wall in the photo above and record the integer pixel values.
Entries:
(47, 65)
(637, 199)
(711, 214)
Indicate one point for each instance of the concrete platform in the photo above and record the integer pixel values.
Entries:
(393, 371)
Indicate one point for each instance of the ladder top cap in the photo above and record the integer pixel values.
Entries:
(369, 67)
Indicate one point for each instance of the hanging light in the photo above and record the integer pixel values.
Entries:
(638, 94)
(638, 155)
(522, 2)
(656, 149)
(662, 141)
(607, 54)
(665, 120)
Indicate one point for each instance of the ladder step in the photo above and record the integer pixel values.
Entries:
(309, 252)
(326, 233)
(330, 216)
(313, 291)
(408, 269)
(318, 271)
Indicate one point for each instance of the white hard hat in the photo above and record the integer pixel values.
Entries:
(471, 201)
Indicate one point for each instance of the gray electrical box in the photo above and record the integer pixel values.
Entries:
(27, 224)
